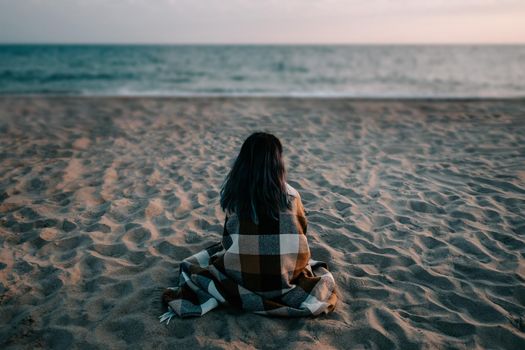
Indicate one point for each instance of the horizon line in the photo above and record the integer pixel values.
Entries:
(267, 44)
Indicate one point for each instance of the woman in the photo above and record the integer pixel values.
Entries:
(263, 262)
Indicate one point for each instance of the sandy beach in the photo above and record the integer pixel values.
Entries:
(417, 207)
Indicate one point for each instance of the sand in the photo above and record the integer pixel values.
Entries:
(416, 206)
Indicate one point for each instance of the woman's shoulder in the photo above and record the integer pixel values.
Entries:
(296, 205)
(292, 191)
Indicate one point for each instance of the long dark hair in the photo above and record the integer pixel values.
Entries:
(256, 184)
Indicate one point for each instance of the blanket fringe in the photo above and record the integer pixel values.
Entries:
(167, 316)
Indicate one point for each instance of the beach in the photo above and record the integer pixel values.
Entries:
(417, 206)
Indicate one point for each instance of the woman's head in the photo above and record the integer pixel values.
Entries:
(256, 184)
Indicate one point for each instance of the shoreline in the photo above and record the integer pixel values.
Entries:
(269, 97)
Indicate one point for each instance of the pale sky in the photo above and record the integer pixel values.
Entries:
(262, 21)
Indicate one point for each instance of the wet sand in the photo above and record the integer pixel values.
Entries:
(416, 206)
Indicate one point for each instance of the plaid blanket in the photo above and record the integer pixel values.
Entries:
(264, 268)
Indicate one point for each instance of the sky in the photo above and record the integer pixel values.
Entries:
(262, 21)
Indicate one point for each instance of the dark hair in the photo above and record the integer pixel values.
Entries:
(256, 184)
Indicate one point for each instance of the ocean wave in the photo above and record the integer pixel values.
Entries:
(275, 71)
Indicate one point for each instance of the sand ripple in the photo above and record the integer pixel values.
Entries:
(416, 206)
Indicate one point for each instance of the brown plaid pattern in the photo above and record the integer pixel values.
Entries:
(264, 268)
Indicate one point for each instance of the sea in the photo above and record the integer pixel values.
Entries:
(361, 71)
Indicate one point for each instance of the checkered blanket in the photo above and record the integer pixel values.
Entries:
(264, 268)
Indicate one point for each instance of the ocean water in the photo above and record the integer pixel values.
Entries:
(350, 71)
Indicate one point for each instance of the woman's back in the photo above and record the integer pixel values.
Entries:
(266, 257)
